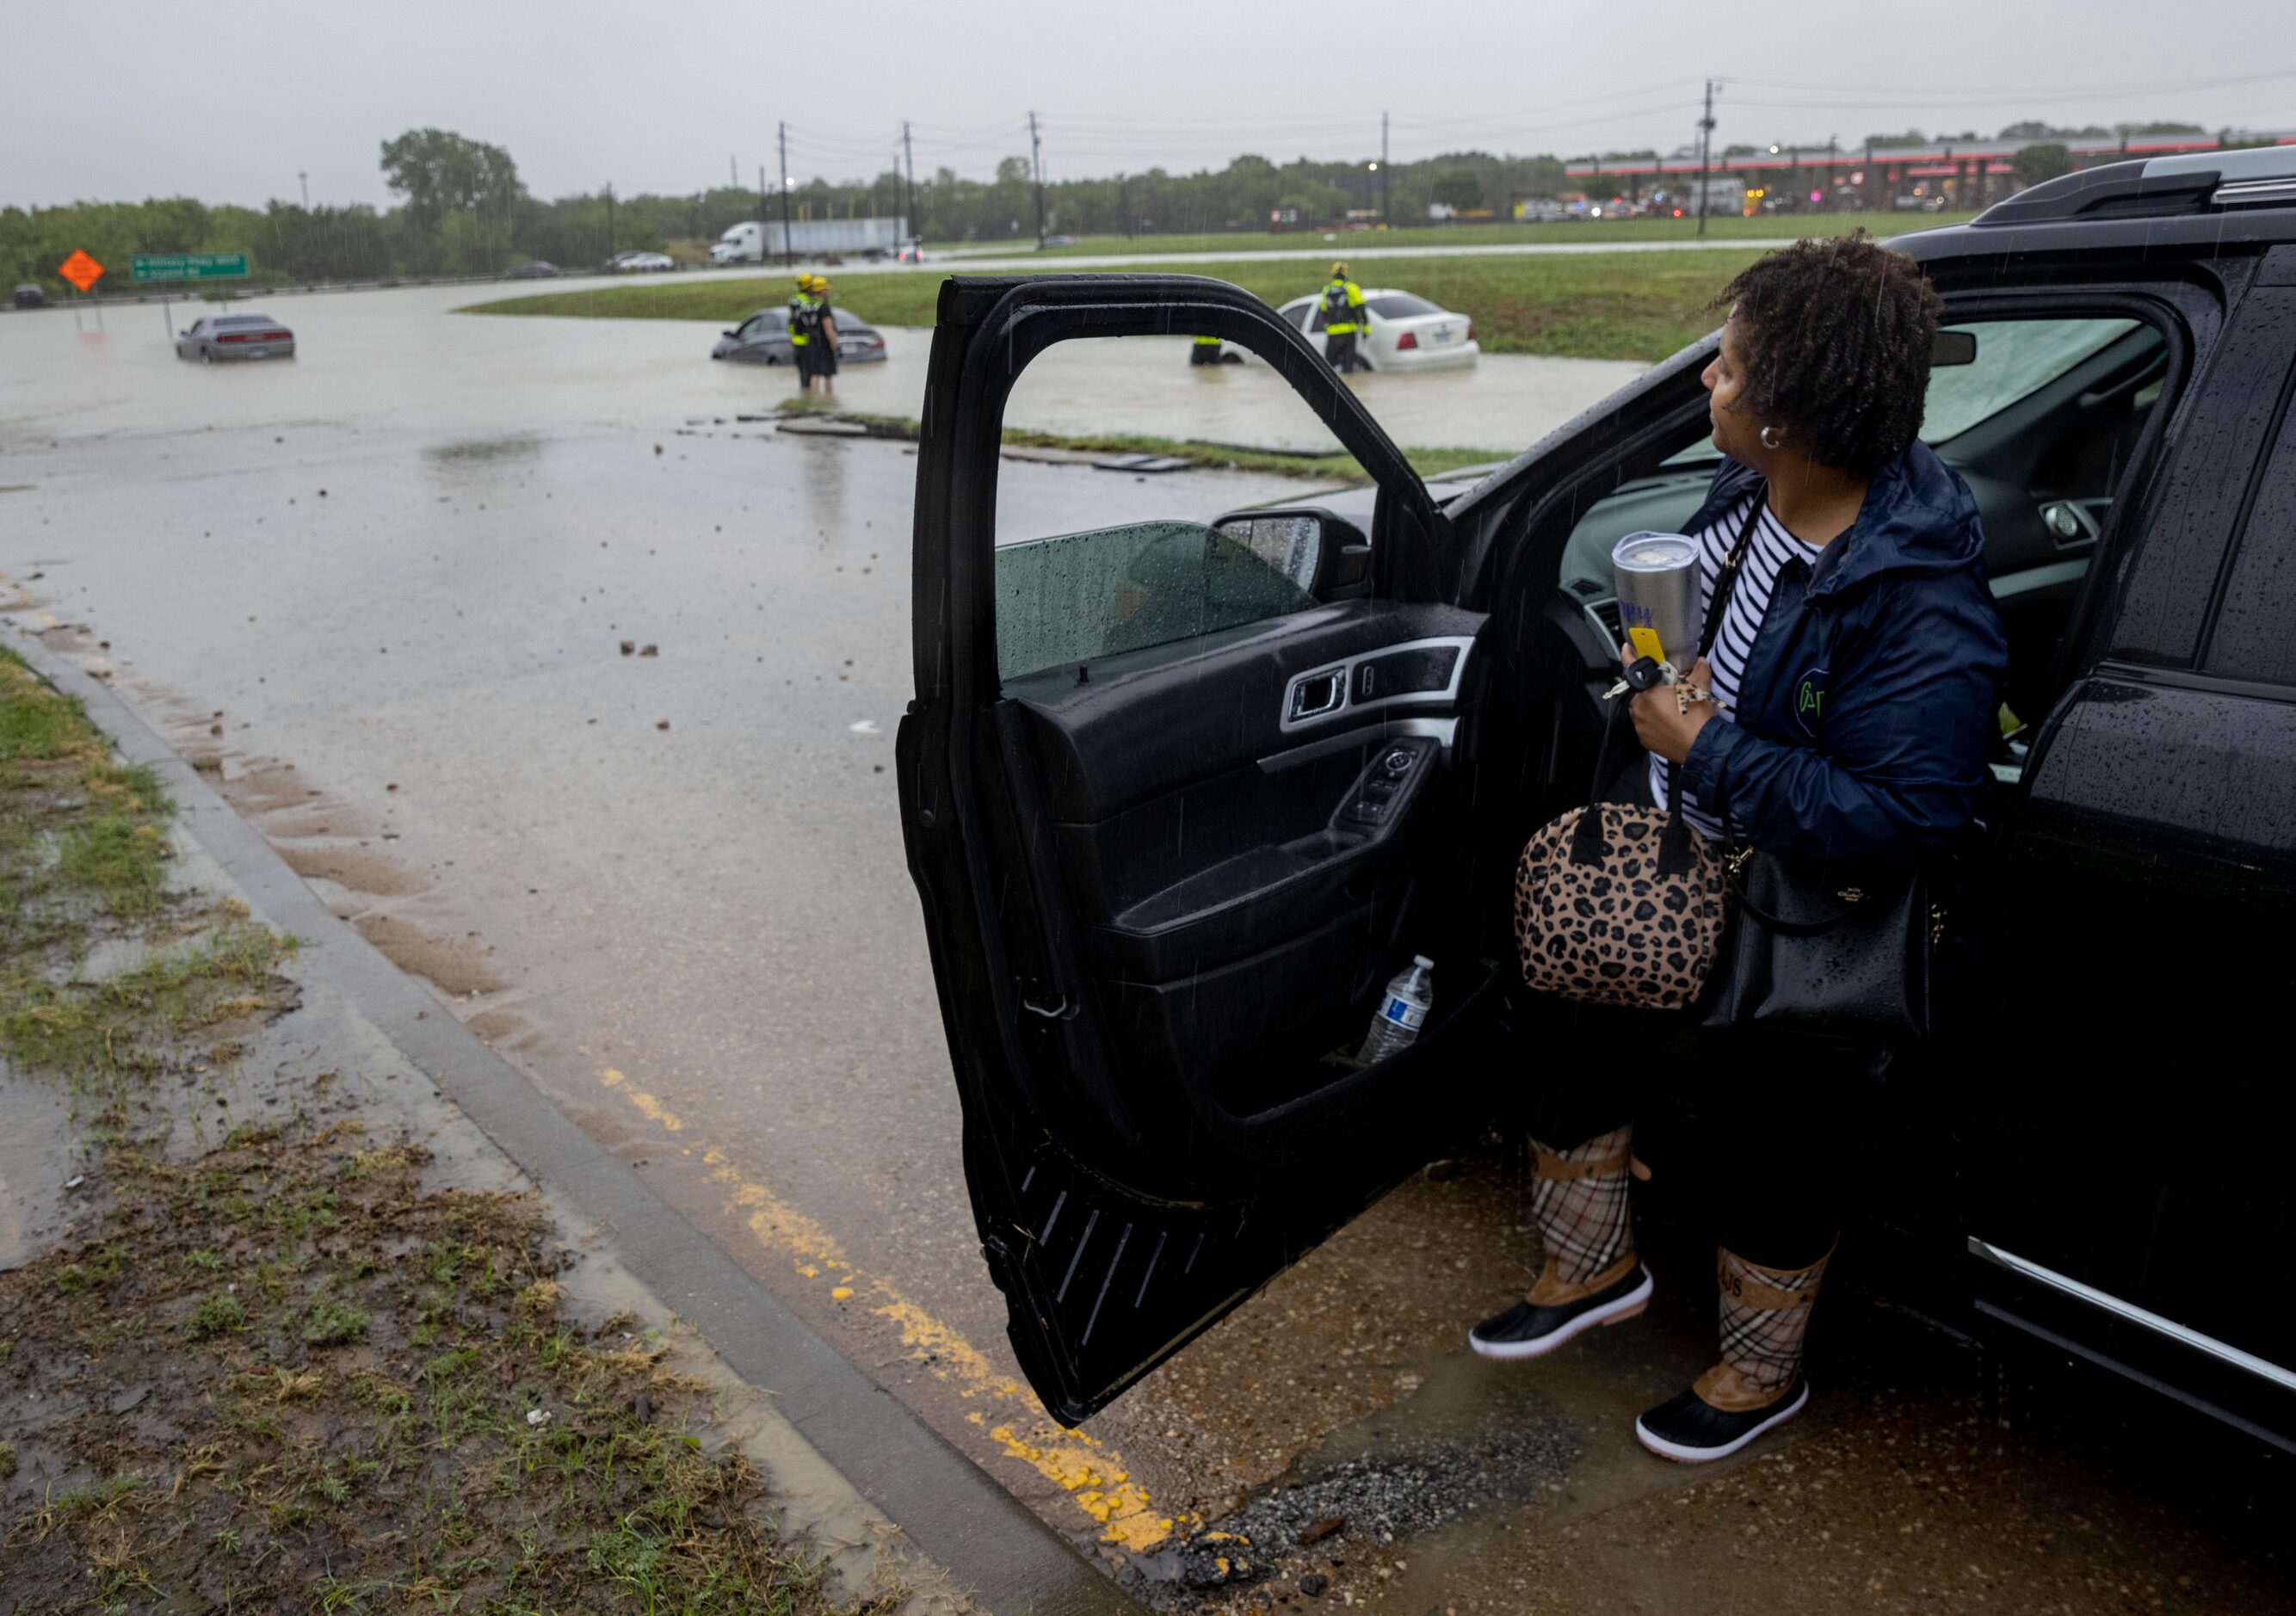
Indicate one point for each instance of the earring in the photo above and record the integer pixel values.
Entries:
(1772, 437)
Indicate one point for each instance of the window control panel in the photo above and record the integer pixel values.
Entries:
(1388, 783)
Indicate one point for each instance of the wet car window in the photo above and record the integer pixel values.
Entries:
(1087, 595)
(2255, 635)
(1399, 305)
(1199, 434)
(2013, 358)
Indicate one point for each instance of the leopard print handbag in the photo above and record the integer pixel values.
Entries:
(1616, 904)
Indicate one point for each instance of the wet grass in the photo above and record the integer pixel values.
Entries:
(282, 1375)
(1338, 467)
(84, 860)
(1501, 233)
(1587, 306)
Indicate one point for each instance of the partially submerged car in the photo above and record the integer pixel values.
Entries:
(248, 336)
(1403, 330)
(1179, 797)
(763, 338)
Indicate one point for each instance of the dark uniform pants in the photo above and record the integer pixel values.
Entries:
(1339, 349)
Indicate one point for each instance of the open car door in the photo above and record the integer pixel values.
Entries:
(1177, 796)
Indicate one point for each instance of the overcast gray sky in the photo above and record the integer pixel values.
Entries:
(227, 100)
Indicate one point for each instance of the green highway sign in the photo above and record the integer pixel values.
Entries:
(188, 266)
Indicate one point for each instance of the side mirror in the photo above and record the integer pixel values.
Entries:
(1315, 551)
(1953, 347)
(729, 334)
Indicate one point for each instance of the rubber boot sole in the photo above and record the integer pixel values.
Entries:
(1701, 1456)
(1615, 1312)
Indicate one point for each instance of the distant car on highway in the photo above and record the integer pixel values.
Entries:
(639, 262)
(1060, 240)
(28, 296)
(537, 269)
(763, 338)
(1407, 332)
(214, 337)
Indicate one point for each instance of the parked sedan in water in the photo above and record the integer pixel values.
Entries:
(214, 337)
(1407, 333)
(763, 338)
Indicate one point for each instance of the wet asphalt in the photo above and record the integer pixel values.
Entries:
(382, 594)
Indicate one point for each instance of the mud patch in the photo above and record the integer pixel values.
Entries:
(265, 786)
(454, 970)
(354, 868)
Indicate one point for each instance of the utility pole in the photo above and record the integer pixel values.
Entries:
(1036, 168)
(1123, 207)
(305, 178)
(909, 156)
(765, 213)
(733, 172)
(1383, 218)
(789, 253)
(1705, 154)
(610, 219)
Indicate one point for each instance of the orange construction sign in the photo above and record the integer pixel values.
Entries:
(81, 270)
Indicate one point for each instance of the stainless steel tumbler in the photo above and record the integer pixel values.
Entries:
(1661, 595)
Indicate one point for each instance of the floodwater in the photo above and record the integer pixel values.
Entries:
(384, 593)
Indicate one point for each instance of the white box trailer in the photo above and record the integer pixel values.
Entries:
(751, 243)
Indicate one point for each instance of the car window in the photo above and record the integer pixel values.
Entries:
(1149, 539)
(2255, 635)
(1084, 595)
(242, 322)
(1298, 313)
(2015, 358)
(1399, 305)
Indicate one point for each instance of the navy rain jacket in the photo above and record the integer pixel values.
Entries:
(1870, 695)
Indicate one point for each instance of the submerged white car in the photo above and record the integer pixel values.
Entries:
(1407, 333)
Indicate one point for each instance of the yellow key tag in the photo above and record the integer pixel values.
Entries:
(1645, 644)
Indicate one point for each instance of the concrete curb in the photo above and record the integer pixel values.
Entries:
(990, 1544)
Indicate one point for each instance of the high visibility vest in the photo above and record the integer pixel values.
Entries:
(1207, 342)
(804, 319)
(1342, 301)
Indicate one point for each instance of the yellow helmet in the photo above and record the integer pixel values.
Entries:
(821, 284)
(1339, 270)
(804, 281)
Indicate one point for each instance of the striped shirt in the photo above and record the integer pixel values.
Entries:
(1734, 640)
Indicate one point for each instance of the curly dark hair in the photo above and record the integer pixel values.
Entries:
(1836, 337)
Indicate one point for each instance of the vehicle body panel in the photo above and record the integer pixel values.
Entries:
(763, 338)
(216, 339)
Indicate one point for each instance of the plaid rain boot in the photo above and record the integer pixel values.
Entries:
(1757, 1385)
(1578, 1200)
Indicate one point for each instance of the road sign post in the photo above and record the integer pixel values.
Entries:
(83, 272)
(167, 268)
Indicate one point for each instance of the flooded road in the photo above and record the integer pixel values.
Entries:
(575, 692)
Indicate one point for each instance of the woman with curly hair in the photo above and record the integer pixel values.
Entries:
(1856, 674)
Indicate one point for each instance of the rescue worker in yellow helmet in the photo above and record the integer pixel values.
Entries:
(823, 345)
(1343, 308)
(801, 322)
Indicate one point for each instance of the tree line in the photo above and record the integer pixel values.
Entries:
(463, 209)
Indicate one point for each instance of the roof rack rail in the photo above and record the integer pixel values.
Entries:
(2193, 183)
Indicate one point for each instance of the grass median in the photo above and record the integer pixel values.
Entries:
(280, 1369)
(1584, 306)
(1338, 467)
(1499, 233)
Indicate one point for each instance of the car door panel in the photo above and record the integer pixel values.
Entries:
(1162, 888)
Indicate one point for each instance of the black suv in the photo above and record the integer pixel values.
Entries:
(1180, 795)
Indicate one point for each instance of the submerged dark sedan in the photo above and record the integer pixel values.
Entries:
(763, 338)
(215, 337)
